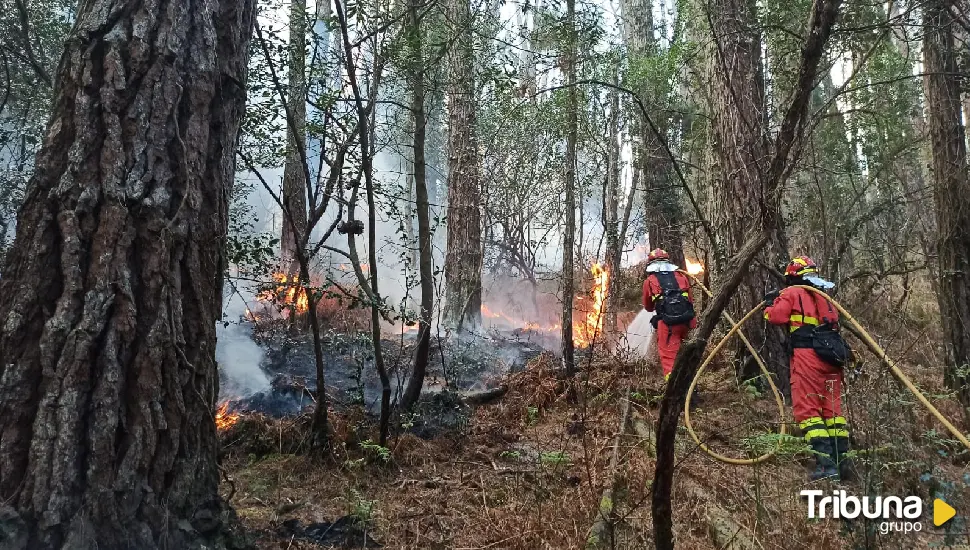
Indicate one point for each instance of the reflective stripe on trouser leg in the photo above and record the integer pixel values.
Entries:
(836, 427)
(813, 427)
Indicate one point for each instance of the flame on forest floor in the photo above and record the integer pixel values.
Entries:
(224, 418)
(287, 293)
(692, 267)
(587, 323)
(586, 330)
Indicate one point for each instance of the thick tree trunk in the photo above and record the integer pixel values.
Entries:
(569, 206)
(295, 168)
(112, 289)
(463, 263)
(951, 187)
(425, 266)
(663, 213)
(739, 131)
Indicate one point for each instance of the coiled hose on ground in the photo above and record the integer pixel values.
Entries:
(867, 339)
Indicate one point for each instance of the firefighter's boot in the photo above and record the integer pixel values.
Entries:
(845, 464)
(824, 463)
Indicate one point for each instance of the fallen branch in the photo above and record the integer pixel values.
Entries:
(601, 533)
(485, 396)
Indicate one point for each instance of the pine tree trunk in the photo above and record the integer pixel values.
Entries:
(295, 169)
(112, 289)
(951, 187)
(421, 352)
(463, 263)
(569, 206)
(739, 130)
(612, 214)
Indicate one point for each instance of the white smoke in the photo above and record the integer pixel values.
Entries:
(238, 356)
(639, 335)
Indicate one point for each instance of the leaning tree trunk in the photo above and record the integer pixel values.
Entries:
(739, 130)
(425, 267)
(296, 168)
(112, 289)
(951, 187)
(463, 263)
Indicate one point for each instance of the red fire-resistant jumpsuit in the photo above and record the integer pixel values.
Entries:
(668, 338)
(816, 386)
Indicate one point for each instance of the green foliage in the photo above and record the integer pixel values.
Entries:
(361, 509)
(252, 252)
(25, 96)
(533, 416)
(787, 446)
(376, 451)
(751, 389)
(554, 458)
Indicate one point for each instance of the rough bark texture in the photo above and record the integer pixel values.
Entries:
(425, 267)
(569, 205)
(663, 213)
(951, 187)
(611, 214)
(295, 169)
(821, 22)
(740, 134)
(112, 289)
(463, 263)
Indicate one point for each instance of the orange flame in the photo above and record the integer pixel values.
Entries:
(347, 267)
(585, 330)
(224, 418)
(286, 294)
(694, 268)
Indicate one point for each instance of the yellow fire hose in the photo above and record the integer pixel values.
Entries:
(735, 328)
(881, 353)
(867, 339)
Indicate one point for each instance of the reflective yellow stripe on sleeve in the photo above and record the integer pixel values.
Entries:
(803, 319)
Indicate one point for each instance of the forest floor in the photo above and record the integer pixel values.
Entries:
(529, 470)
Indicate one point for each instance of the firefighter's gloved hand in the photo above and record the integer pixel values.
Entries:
(655, 321)
(770, 297)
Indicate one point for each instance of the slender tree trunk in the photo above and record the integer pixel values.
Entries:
(527, 56)
(951, 188)
(739, 130)
(463, 263)
(569, 207)
(612, 214)
(423, 348)
(294, 170)
(113, 286)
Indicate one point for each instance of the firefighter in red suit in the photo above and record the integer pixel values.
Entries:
(816, 385)
(666, 286)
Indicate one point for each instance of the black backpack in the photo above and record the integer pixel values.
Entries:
(673, 307)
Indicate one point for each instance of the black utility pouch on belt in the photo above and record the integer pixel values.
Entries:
(827, 343)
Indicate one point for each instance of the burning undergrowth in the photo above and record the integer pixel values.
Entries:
(460, 364)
